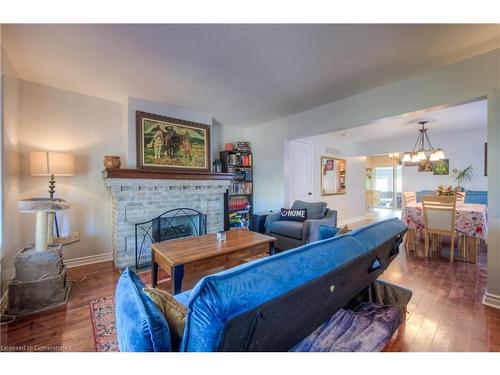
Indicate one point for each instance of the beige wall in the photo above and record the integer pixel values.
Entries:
(89, 128)
(45, 118)
(11, 236)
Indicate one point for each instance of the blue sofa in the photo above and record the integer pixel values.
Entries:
(269, 304)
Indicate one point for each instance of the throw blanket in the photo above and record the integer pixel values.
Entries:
(367, 328)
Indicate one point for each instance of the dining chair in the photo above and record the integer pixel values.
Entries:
(409, 197)
(460, 195)
(439, 219)
(371, 199)
(410, 241)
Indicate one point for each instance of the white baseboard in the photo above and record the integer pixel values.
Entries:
(491, 300)
(351, 220)
(91, 259)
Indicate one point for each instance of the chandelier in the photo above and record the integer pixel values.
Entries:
(423, 149)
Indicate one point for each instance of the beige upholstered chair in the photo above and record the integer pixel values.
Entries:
(460, 195)
(409, 197)
(439, 219)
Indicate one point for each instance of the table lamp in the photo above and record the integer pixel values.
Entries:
(52, 164)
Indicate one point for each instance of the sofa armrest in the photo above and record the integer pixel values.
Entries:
(311, 227)
(271, 218)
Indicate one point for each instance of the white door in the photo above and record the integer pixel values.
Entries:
(300, 171)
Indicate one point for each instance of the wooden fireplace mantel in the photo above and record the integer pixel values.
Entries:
(159, 174)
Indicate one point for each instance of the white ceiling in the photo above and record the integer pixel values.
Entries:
(244, 75)
(445, 121)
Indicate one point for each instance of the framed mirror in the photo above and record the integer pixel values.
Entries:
(332, 176)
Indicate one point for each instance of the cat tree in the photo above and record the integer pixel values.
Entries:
(40, 282)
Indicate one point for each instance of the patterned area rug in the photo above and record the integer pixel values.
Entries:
(102, 312)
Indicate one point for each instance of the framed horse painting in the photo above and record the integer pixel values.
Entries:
(170, 143)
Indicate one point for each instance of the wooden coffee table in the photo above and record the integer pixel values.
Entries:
(205, 252)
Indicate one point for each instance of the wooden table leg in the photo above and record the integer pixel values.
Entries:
(410, 240)
(154, 271)
(271, 248)
(176, 274)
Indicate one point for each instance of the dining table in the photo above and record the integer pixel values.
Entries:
(471, 223)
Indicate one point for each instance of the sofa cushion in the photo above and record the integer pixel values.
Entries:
(291, 229)
(140, 325)
(173, 310)
(315, 210)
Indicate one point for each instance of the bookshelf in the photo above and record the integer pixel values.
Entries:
(238, 200)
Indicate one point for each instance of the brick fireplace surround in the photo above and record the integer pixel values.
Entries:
(149, 194)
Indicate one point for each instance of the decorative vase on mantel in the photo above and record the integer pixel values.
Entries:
(112, 162)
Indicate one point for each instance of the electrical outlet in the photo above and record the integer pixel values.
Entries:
(75, 236)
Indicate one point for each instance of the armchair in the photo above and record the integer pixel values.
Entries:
(291, 234)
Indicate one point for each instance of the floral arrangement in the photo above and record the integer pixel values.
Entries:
(445, 191)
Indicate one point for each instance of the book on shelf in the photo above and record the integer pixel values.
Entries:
(242, 146)
(238, 203)
(239, 196)
(240, 188)
(238, 159)
(238, 220)
(241, 174)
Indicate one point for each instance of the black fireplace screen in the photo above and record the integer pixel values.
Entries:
(173, 224)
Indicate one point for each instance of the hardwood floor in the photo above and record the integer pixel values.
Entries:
(445, 313)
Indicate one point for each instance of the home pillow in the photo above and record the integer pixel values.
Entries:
(293, 215)
(174, 312)
(140, 325)
(315, 210)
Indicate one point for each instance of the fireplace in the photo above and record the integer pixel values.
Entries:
(138, 196)
(173, 224)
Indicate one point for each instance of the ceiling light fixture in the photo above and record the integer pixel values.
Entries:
(423, 148)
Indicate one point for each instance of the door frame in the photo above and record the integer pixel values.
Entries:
(287, 176)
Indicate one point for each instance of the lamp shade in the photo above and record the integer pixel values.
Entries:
(406, 157)
(440, 154)
(46, 163)
(434, 156)
(421, 155)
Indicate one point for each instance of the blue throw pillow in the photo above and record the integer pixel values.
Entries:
(326, 232)
(140, 325)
